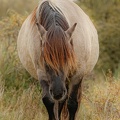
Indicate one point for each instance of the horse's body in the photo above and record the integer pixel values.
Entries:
(84, 37)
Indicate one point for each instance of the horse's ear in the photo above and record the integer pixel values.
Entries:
(71, 30)
(41, 29)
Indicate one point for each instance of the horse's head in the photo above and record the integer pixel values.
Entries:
(58, 55)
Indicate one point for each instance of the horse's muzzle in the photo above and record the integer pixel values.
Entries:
(58, 95)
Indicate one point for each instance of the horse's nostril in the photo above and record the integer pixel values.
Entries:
(51, 92)
(64, 92)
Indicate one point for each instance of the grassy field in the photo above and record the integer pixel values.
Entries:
(100, 101)
(20, 94)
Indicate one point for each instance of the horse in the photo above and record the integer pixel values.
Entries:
(58, 45)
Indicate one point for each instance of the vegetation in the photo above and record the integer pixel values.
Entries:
(20, 6)
(20, 94)
(105, 14)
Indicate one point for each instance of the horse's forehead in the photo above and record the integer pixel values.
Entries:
(56, 32)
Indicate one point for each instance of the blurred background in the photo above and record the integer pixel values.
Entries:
(18, 92)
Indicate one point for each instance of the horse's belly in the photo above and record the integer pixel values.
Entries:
(26, 61)
(24, 53)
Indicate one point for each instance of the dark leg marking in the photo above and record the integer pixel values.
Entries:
(73, 101)
(48, 102)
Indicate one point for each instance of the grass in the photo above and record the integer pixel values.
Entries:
(100, 101)
(20, 94)
(21, 104)
(27, 6)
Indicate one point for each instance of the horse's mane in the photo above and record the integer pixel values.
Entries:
(57, 52)
(50, 15)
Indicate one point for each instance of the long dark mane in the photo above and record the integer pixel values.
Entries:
(57, 52)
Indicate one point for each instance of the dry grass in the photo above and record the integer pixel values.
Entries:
(100, 101)
(21, 104)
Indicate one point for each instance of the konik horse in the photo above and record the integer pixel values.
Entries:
(58, 45)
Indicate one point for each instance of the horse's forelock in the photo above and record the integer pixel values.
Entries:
(57, 52)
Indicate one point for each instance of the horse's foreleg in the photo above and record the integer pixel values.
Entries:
(48, 102)
(74, 100)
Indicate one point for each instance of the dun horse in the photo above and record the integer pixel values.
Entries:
(58, 45)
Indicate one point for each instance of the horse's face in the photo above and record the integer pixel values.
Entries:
(57, 87)
(58, 57)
